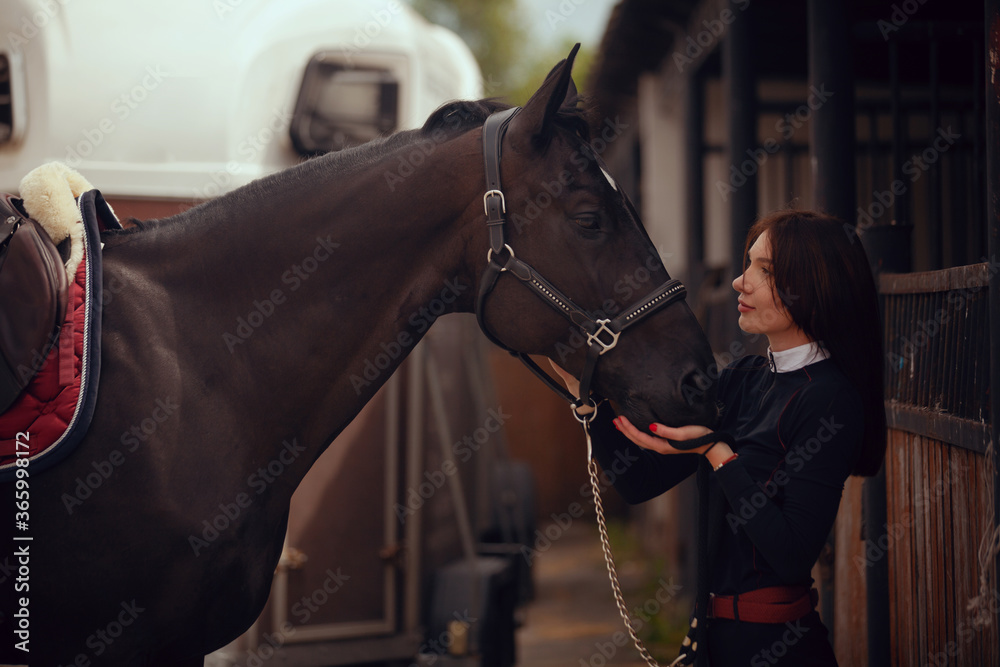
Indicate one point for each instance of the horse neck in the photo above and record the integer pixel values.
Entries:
(305, 280)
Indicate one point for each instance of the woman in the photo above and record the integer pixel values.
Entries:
(803, 419)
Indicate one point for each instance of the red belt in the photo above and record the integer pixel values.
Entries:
(777, 604)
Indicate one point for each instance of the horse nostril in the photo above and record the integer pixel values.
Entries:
(695, 387)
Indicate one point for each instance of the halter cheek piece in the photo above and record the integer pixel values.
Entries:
(602, 334)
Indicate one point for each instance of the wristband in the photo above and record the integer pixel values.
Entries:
(716, 468)
(705, 453)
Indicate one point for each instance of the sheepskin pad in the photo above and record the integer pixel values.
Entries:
(50, 193)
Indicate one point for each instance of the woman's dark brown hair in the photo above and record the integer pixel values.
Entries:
(822, 275)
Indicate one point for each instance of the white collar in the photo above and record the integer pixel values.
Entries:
(797, 357)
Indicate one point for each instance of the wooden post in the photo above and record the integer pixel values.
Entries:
(992, 109)
(694, 161)
(832, 143)
(739, 78)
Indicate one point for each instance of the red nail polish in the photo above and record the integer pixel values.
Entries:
(616, 425)
(652, 427)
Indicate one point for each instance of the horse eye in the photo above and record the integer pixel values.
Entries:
(588, 220)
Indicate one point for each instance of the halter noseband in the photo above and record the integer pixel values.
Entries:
(602, 334)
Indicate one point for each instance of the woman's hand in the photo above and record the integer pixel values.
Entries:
(660, 442)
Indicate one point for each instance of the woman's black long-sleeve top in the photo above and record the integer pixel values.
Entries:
(798, 435)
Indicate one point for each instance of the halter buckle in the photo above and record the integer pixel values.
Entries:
(596, 336)
(494, 193)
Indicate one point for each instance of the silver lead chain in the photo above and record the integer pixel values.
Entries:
(609, 558)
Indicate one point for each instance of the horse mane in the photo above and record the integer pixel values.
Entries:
(454, 118)
(463, 115)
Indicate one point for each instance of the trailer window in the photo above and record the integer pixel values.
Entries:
(341, 106)
(6, 101)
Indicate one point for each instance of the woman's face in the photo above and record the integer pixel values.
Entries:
(761, 311)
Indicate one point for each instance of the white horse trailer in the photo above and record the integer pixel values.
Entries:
(192, 98)
(397, 546)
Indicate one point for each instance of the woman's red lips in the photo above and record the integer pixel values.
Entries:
(742, 307)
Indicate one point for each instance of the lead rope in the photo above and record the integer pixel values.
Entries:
(606, 547)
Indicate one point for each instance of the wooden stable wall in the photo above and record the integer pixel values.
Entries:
(939, 474)
(939, 484)
(542, 432)
(937, 494)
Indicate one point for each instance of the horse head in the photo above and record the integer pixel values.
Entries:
(578, 240)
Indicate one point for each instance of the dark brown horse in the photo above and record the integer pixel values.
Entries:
(241, 336)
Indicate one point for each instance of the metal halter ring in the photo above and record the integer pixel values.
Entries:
(489, 256)
(586, 417)
(595, 337)
(494, 193)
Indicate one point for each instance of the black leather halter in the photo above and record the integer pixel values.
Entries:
(602, 334)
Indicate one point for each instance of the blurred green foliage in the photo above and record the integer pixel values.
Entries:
(512, 64)
(545, 58)
(662, 633)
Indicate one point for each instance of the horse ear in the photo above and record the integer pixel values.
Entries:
(534, 122)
